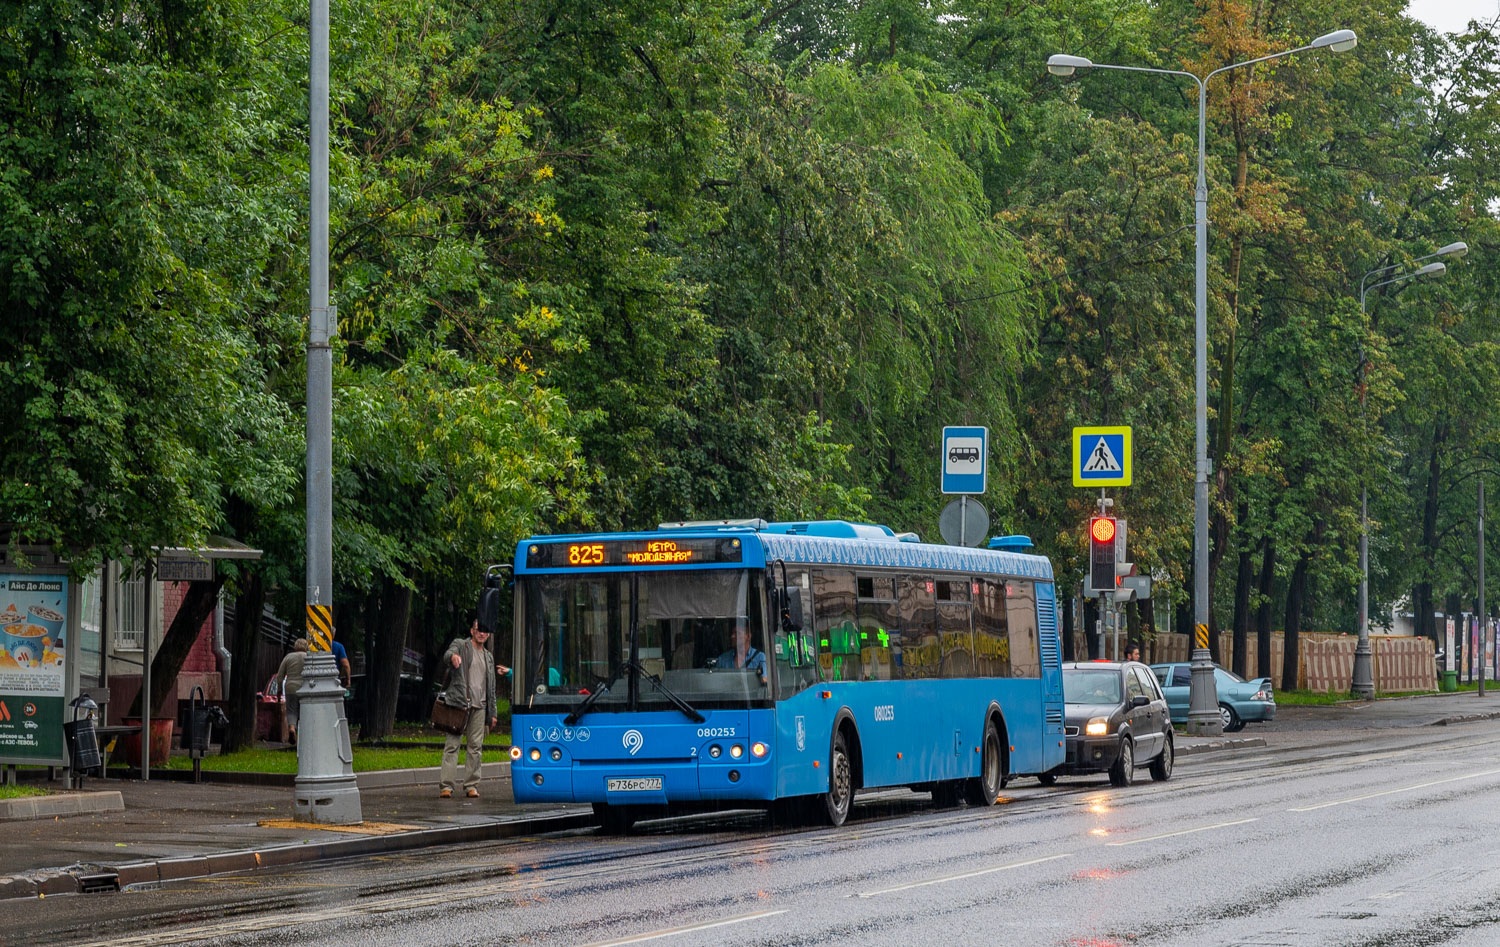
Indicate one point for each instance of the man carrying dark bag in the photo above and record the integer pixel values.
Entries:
(471, 685)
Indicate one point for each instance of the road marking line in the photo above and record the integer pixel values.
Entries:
(1389, 792)
(967, 874)
(1201, 828)
(692, 928)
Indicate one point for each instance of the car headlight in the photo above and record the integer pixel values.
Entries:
(1097, 727)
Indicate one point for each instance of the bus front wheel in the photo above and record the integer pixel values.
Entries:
(840, 795)
(984, 789)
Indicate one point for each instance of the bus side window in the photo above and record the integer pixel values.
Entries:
(837, 632)
(796, 652)
(991, 636)
(875, 633)
(921, 649)
(1020, 608)
(954, 627)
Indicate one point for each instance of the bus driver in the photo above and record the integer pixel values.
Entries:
(743, 655)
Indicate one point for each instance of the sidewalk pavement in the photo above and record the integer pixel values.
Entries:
(118, 832)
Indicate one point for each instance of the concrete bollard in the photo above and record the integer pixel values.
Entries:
(325, 790)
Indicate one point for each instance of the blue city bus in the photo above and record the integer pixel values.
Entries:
(735, 664)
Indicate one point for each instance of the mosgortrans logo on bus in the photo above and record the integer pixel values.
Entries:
(633, 740)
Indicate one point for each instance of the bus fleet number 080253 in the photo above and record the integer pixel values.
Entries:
(716, 731)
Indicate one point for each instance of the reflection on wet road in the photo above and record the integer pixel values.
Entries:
(1392, 842)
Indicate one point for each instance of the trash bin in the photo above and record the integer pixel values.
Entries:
(1449, 682)
(201, 719)
(82, 739)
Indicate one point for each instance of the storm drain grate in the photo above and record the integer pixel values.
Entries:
(95, 884)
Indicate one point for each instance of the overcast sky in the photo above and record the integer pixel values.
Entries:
(1451, 16)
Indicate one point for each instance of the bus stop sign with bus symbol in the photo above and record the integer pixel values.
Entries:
(965, 459)
(1101, 457)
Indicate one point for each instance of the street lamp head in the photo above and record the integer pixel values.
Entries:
(1340, 41)
(1432, 269)
(1063, 65)
(1454, 250)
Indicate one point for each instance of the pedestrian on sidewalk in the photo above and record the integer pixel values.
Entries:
(288, 680)
(471, 684)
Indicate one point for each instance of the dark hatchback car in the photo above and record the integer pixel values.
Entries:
(1115, 719)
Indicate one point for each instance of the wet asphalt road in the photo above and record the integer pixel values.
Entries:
(1391, 841)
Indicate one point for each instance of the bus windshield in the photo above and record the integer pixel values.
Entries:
(701, 633)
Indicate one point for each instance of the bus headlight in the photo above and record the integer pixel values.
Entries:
(736, 751)
(757, 749)
(515, 752)
(1097, 727)
(714, 751)
(556, 754)
(536, 754)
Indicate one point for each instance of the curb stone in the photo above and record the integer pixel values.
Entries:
(143, 875)
(1465, 718)
(1240, 743)
(59, 804)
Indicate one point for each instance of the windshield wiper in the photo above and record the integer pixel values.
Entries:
(587, 702)
(677, 702)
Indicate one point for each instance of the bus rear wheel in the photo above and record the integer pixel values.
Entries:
(984, 789)
(839, 798)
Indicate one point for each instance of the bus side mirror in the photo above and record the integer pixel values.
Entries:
(791, 609)
(488, 612)
(489, 609)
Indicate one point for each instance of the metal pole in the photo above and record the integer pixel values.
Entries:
(325, 790)
(1114, 621)
(146, 674)
(1203, 710)
(1363, 684)
(963, 518)
(1483, 616)
(319, 354)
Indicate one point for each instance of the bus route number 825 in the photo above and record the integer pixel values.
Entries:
(586, 554)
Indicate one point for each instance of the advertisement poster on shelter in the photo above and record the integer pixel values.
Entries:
(33, 671)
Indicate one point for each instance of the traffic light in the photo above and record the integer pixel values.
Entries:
(1102, 554)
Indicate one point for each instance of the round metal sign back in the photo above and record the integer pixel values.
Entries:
(964, 522)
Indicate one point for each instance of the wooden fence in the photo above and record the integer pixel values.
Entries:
(1326, 661)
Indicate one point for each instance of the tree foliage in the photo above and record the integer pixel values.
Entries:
(603, 265)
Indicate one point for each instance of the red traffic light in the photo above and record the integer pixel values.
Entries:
(1103, 530)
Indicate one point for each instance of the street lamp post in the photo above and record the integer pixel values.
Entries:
(325, 789)
(1203, 704)
(1363, 684)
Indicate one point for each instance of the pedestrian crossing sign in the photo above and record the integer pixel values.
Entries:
(1101, 457)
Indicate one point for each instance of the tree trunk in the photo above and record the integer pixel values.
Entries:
(1263, 613)
(1422, 603)
(197, 605)
(383, 669)
(1243, 579)
(1148, 622)
(243, 647)
(1295, 594)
